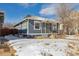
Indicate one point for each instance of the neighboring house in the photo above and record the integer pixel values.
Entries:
(34, 25)
(1, 19)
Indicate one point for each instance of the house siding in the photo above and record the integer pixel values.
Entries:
(48, 28)
(31, 27)
(22, 27)
(28, 27)
(45, 28)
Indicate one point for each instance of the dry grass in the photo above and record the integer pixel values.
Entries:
(57, 36)
(52, 36)
(73, 49)
(40, 37)
(6, 50)
(60, 36)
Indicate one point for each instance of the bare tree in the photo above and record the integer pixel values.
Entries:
(75, 16)
(8, 25)
(63, 12)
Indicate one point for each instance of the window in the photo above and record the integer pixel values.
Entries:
(37, 25)
(54, 28)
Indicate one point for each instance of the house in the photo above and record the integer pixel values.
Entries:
(34, 25)
(1, 19)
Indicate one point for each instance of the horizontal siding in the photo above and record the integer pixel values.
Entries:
(31, 27)
(24, 25)
(45, 28)
(28, 27)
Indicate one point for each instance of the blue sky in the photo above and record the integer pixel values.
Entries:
(14, 12)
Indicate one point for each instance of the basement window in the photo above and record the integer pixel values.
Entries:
(37, 25)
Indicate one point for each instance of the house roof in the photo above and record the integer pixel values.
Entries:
(45, 20)
(41, 19)
(19, 23)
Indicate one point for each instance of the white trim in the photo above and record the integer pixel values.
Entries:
(61, 27)
(28, 27)
(39, 25)
(45, 27)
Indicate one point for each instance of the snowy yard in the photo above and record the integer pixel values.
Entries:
(46, 47)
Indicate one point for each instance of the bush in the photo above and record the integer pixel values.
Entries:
(7, 31)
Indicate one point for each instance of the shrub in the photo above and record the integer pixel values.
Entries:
(7, 31)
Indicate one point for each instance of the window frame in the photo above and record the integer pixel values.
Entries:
(35, 25)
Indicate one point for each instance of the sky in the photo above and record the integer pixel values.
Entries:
(15, 12)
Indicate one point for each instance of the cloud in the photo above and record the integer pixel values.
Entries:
(48, 9)
(27, 4)
(51, 9)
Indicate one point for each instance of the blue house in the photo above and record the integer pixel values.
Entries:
(34, 25)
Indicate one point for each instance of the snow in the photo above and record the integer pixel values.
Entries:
(34, 47)
(1, 37)
(11, 37)
(46, 47)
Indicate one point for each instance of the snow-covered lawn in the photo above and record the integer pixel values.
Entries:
(46, 47)
(38, 48)
(72, 37)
